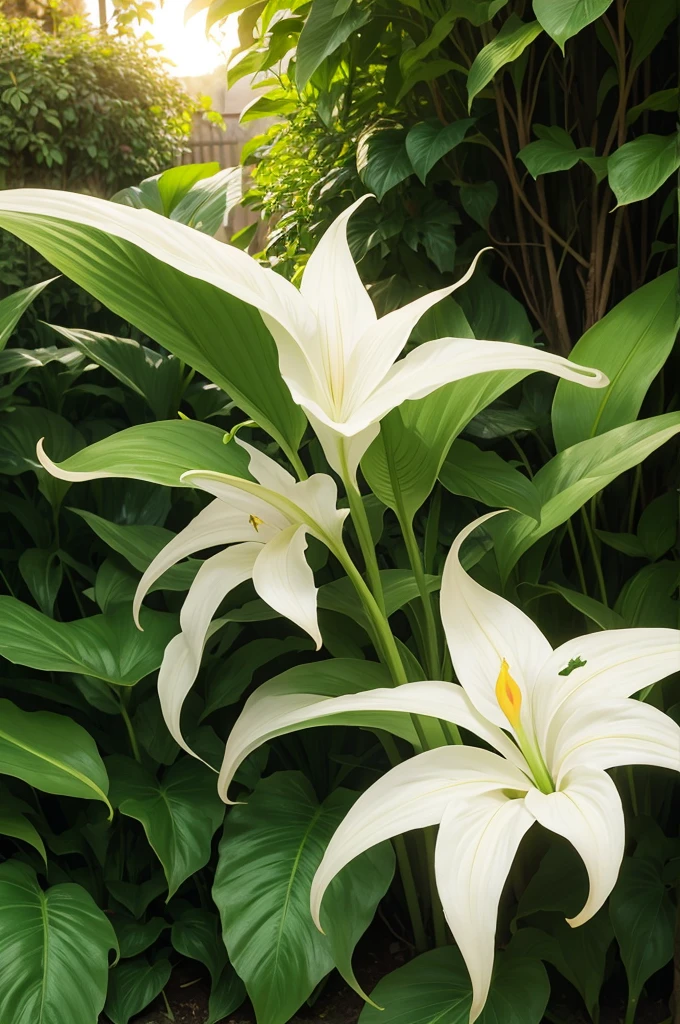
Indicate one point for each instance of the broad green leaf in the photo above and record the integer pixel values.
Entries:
(555, 150)
(383, 160)
(197, 935)
(269, 853)
(220, 336)
(162, 192)
(599, 613)
(437, 34)
(435, 989)
(113, 585)
(157, 452)
(477, 11)
(235, 673)
(136, 936)
(14, 306)
(136, 897)
(630, 344)
(51, 753)
(626, 543)
(664, 99)
(647, 24)
(209, 202)
(42, 573)
(21, 430)
(427, 71)
(562, 19)
(648, 598)
(507, 46)
(323, 33)
(398, 585)
(54, 947)
(140, 545)
(154, 376)
(573, 476)
(658, 525)
(180, 813)
(643, 916)
(133, 984)
(108, 647)
(479, 201)
(486, 477)
(14, 821)
(638, 168)
(493, 313)
(428, 141)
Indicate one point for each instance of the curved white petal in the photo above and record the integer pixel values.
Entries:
(380, 345)
(267, 471)
(274, 511)
(413, 795)
(196, 255)
(618, 663)
(182, 658)
(430, 366)
(481, 629)
(333, 290)
(64, 474)
(318, 498)
(268, 712)
(587, 811)
(283, 578)
(477, 842)
(215, 524)
(343, 453)
(609, 733)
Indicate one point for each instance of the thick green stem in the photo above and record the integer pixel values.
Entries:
(130, 729)
(432, 658)
(363, 531)
(596, 557)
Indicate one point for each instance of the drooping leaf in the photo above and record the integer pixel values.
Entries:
(51, 753)
(485, 476)
(479, 201)
(136, 936)
(562, 19)
(630, 344)
(108, 647)
(157, 452)
(133, 984)
(663, 99)
(383, 160)
(647, 24)
(14, 821)
(509, 44)
(268, 856)
(180, 813)
(14, 306)
(324, 31)
(435, 989)
(428, 141)
(638, 168)
(555, 150)
(54, 947)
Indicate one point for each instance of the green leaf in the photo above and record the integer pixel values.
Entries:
(494, 314)
(21, 430)
(180, 813)
(435, 989)
(486, 477)
(638, 168)
(507, 46)
(398, 586)
(477, 11)
(209, 202)
(647, 599)
(426, 71)
(140, 545)
(42, 573)
(51, 753)
(133, 984)
(269, 853)
(323, 33)
(630, 344)
(554, 151)
(573, 476)
(562, 19)
(136, 897)
(599, 613)
(15, 823)
(197, 935)
(108, 647)
(14, 306)
(647, 24)
(382, 159)
(54, 947)
(658, 526)
(235, 673)
(159, 453)
(643, 917)
(437, 34)
(136, 936)
(221, 337)
(479, 201)
(664, 99)
(428, 141)
(626, 543)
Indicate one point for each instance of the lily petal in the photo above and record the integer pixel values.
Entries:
(218, 523)
(271, 711)
(615, 663)
(430, 366)
(587, 811)
(182, 658)
(343, 453)
(606, 734)
(382, 343)
(333, 290)
(283, 578)
(413, 795)
(267, 471)
(477, 842)
(481, 630)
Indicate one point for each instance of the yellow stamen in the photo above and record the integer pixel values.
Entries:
(255, 522)
(508, 695)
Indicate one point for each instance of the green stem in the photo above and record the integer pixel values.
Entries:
(130, 729)
(296, 463)
(387, 649)
(432, 659)
(633, 497)
(432, 529)
(596, 557)
(577, 557)
(363, 531)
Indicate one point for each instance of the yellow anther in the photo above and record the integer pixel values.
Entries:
(255, 522)
(508, 695)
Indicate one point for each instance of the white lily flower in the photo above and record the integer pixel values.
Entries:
(337, 358)
(558, 719)
(265, 524)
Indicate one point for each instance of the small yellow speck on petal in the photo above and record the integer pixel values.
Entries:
(255, 522)
(508, 695)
